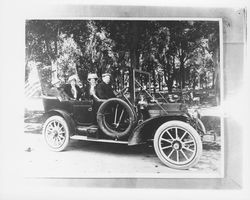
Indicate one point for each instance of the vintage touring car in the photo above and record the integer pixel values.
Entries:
(138, 116)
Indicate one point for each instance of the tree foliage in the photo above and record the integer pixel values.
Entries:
(178, 54)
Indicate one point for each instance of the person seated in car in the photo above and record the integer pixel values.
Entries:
(89, 90)
(57, 91)
(104, 89)
(72, 89)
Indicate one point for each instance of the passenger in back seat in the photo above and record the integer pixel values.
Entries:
(72, 89)
(57, 91)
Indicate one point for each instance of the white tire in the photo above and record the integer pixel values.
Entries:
(178, 145)
(56, 133)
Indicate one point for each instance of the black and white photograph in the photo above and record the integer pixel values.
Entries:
(109, 97)
(123, 98)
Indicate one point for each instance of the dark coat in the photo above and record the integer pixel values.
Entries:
(104, 91)
(67, 89)
(86, 92)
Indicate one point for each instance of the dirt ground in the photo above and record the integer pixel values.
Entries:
(94, 159)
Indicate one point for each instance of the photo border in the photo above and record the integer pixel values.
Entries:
(227, 182)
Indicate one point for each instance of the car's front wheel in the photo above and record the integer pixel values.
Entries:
(177, 144)
(56, 133)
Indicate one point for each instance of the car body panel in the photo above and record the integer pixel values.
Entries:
(54, 104)
(80, 111)
(83, 112)
(68, 118)
(145, 130)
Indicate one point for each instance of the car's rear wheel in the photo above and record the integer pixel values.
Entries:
(115, 118)
(177, 144)
(56, 133)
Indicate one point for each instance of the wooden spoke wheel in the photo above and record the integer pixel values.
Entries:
(56, 133)
(177, 144)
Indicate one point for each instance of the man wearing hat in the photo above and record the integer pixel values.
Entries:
(103, 89)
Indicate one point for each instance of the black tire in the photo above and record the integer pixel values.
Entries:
(115, 118)
(178, 145)
(56, 133)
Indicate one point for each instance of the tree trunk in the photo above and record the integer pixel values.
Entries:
(122, 78)
(159, 82)
(188, 75)
(154, 79)
(133, 53)
(174, 75)
(165, 75)
(216, 75)
(48, 49)
(182, 73)
(170, 76)
(137, 57)
(213, 79)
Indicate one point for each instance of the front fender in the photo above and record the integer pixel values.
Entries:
(147, 128)
(65, 115)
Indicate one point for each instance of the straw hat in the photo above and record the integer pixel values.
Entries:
(92, 76)
(106, 74)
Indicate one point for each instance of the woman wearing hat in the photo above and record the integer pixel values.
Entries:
(92, 79)
(72, 89)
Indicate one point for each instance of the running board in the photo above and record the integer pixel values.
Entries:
(92, 128)
(85, 138)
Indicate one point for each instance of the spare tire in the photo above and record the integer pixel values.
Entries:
(115, 118)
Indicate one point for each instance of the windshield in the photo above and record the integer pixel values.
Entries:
(142, 80)
(142, 85)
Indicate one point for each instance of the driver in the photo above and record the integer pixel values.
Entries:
(103, 89)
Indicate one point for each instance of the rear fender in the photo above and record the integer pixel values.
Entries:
(63, 114)
(147, 128)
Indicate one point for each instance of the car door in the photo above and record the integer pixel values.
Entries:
(83, 112)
